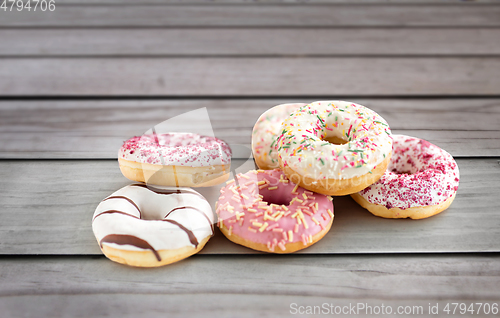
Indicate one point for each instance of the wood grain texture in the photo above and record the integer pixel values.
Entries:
(105, 144)
(246, 2)
(220, 305)
(243, 42)
(248, 285)
(48, 206)
(249, 76)
(296, 15)
(97, 129)
(205, 273)
(239, 48)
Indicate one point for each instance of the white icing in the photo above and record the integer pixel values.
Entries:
(266, 131)
(302, 147)
(419, 174)
(178, 149)
(161, 235)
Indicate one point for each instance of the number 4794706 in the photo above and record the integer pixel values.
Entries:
(20, 5)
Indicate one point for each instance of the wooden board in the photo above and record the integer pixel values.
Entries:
(97, 129)
(64, 145)
(249, 76)
(221, 286)
(296, 15)
(247, 41)
(192, 51)
(246, 2)
(226, 305)
(48, 206)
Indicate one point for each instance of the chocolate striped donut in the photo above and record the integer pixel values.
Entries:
(146, 226)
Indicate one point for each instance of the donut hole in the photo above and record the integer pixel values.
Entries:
(274, 197)
(151, 214)
(335, 140)
(403, 165)
(401, 172)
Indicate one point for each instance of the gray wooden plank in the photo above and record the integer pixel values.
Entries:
(381, 76)
(225, 286)
(355, 276)
(96, 129)
(105, 145)
(282, 42)
(228, 305)
(332, 15)
(246, 2)
(48, 206)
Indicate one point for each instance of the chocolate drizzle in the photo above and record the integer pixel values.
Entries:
(197, 210)
(190, 234)
(166, 191)
(157, 190)
(123, 239)
(114, 211)
(125, 198)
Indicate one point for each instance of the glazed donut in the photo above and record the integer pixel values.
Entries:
(264, 134)
(421, 181)
(143, 226)
(175, 159)
(334, 147)
(263, 210)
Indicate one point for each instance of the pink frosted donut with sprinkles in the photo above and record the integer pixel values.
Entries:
(265, 132)
(263, 210)
(421, 181)
(175, 159)
(334, 147)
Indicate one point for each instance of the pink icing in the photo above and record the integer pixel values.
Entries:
(419, 174)
(183, 149)
(240, 207)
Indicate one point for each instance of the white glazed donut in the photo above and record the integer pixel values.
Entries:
(265, 132)
(334, 147)
(147, 227)
(175, 159)
(421, 181)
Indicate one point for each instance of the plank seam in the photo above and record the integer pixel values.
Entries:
(234, 158)
(283, 4)
(261, 254)
(130, 27)
(241, 56)
(234, 97)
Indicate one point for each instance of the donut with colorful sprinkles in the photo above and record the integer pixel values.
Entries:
(265, 132)
(263, 210)
(421, 181)
(334, 147)
(175, 159)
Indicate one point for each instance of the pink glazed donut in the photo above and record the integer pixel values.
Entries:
(265, 211)
(421, 181)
